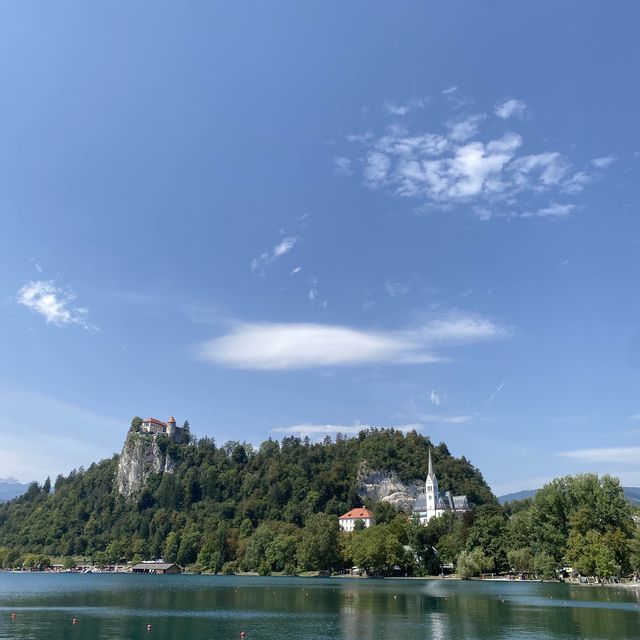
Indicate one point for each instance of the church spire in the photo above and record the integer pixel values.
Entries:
(430, 475)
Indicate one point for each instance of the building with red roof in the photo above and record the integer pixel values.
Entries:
(348, 520)
(168, 428)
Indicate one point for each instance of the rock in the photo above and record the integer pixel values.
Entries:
(385, 486)
(141, 457)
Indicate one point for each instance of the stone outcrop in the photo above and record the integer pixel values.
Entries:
(385, 486)
(141, 457)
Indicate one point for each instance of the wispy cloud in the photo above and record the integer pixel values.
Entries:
(395, 288)
(441, 418)
(55, 304)
(436, 398)
(603, 163)
(448, 91)
(78, 435)
(496, 392)
(404, 108)
(510, 108)
(259, 264)
(342, 166)
(273, 346)
(295, 270)
(554, 210)
(456, 165)
(620, 455)
(320, 429)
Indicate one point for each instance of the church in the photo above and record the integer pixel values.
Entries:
(432, 503)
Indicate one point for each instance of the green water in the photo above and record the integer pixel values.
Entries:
(207, 607)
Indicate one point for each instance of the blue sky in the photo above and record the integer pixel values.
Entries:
(310, 217)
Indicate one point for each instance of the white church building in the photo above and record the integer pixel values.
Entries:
(432, 503)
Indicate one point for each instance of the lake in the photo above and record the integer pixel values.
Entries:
(114, 607)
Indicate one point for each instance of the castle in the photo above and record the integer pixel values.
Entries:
(168, 428)
(432, 503)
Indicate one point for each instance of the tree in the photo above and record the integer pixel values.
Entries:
(46, 487)
(318, 546)
(186, 432)
(521, 560)
(472, 563)
(136, 423)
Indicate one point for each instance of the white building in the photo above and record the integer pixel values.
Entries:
(348, 520)
(168, 428)
(432, 503)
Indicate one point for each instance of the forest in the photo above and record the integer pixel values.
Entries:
(274, 509)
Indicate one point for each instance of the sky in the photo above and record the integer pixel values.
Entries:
(313, 217)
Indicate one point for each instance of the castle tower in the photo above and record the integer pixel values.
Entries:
(171, 427)
(431, 490)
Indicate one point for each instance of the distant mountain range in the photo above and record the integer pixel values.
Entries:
(11, 488)
(632, 494)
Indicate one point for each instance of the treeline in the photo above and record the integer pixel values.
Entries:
(275, 509)
(580, 522)
(227, 506)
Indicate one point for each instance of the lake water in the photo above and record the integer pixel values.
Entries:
(117, 607)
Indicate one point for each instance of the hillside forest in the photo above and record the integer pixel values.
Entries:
(274, 509)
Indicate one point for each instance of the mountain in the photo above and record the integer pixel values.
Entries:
(10, 488)
(520, 495)
(632, 494)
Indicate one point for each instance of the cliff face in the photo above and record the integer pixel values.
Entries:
(385, 486)
(141, 456)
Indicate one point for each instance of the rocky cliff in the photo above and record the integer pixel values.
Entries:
(385, 486)
(141, 456)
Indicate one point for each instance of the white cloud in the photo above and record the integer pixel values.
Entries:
(259, 264)
(284, 246)
(603, 163)
(319, 429)
(435, 398)
(445, 418)
(342, 166)
(395, 289)
(295, 270)
(636, 416)
(554, 210)
(404, 108)
(464, 129)
(499, 388)
(510, 108)
(459, 166)
(449, 91)
(620, 455)
(53, 303)
(273, 346)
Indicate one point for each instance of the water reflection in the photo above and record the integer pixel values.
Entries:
(199, 607)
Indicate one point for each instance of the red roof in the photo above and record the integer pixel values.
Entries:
(358, 514)
(154, 420)
(171, 419)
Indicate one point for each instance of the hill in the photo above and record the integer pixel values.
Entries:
(10, 488)
(208, 502)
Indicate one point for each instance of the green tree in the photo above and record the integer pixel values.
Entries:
(318, 546)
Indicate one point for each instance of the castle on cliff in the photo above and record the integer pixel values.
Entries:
(432, 503)
(168, 428)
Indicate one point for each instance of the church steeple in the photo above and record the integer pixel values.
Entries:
(431, 490)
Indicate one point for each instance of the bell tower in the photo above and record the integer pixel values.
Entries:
(431, 490)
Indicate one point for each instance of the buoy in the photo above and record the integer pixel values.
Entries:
(242, 634)
(74, 621)
(148, 627)
(13, 616)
